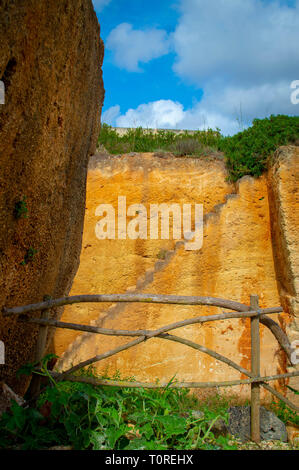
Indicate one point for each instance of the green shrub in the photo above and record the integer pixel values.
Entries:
(246, 153)
(141, 140)
(190, 146)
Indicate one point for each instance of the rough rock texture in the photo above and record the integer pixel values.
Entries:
(236, 260)
(111, 266)
(50, 63)
(271, 427)
(283, 181)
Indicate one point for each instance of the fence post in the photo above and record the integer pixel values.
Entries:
(39, 353)
(255, 369)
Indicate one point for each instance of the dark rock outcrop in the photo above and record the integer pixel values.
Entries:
(271, 427)
(50, 62)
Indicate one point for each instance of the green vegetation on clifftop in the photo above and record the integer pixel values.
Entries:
(245, 153)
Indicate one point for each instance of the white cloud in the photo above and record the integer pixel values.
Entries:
(99, 5)
(167, 114)
(244, 54)
(238, 103)
(230, 109)
(131, 46)
(160, 114)
(242, 41)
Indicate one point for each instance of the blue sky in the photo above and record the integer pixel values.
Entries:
(195, 64)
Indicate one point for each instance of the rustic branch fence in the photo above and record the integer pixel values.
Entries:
(257, 315)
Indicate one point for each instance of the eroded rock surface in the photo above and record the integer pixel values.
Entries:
(111, 266)
(283, 182)
(235, 261)
(50, 63)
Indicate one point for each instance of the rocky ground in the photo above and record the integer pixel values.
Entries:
(264, 445)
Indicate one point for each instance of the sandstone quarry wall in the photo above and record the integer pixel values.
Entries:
(284, 209)
(111, 266)
(238, 258)
(50, 62)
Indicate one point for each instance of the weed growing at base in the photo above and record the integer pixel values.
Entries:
(286, 414)
(88, 417)
(101, 417)
(246, 153)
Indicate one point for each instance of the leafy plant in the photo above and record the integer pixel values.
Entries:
(21, 210)
(293, 390)
(93, 417)
(286, 414)
(85, 416)
(31, 368)
(29, 256)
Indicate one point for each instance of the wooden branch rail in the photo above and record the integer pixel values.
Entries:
(143, 298)
(111, 332)
(257, 315)
(279, 334)
(65, 375)
(126, 384)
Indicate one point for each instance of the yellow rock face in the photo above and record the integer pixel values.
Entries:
(235, 261)
(284, 197)
(111, 266)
